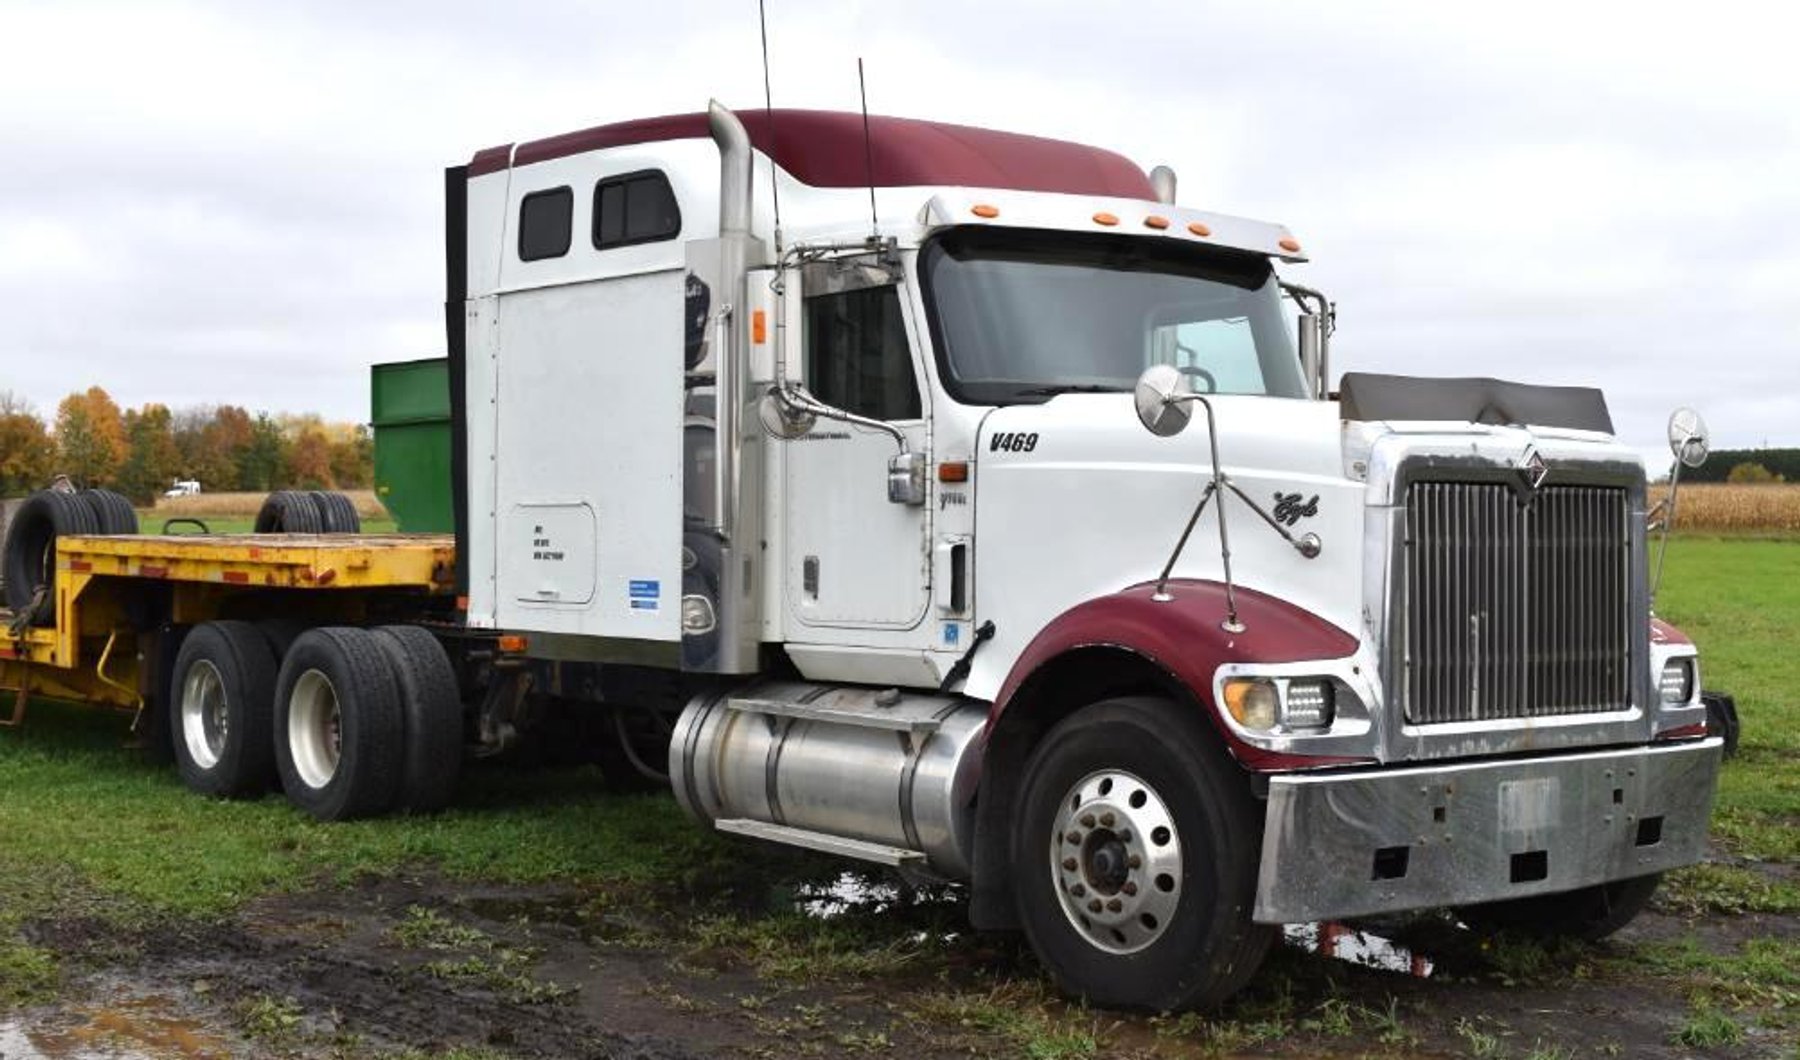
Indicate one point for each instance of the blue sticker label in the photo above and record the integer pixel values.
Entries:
(952, 633)
(645, 595)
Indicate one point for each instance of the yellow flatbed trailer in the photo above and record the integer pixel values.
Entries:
(113, 595)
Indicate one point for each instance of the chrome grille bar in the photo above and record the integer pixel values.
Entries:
(1516, 610)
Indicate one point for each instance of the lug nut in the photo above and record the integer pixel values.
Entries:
(1069, 864)
(1073, 837)
(1129, 888)
(1107, 819)
(1124, 835)
(1093, 905)
(1134, 862)
(1087, 820)
(1078, 890)
(1114, 906)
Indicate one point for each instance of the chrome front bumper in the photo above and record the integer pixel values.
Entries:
(1354, 844)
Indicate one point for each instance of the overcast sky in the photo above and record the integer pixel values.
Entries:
(240, 202)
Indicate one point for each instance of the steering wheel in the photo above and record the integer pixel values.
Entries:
(1212, 385)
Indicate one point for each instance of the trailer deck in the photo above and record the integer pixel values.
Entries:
(105, 585)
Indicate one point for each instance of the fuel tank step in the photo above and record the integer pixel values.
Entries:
(905, 722)
(823, 842)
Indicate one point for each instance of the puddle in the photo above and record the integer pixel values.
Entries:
(1332, 939)
(850, 892)
(136, 1030)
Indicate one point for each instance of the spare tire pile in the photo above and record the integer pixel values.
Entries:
(307, 512)
(28, 558)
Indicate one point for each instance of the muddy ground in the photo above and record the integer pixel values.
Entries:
(424, 965)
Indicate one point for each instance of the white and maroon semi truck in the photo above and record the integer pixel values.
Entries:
(953, 500)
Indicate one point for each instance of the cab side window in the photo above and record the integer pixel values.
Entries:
(856, 353)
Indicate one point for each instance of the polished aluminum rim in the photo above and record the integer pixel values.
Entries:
(315, 730)
(1115, 860)
(205, 721)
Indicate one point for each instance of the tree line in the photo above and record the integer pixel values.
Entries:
(1747, 465)
(141, 452)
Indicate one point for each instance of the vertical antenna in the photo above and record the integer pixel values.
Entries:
(862, 89)
(762, 21)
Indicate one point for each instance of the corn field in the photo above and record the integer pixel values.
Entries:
(1770, 508)
(247, 505)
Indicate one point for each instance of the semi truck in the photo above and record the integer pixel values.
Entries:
(956, 501)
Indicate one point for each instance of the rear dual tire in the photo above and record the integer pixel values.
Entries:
(339, 733)
(224, 683)
(351, 722)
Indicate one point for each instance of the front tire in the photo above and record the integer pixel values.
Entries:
(1588, 914)
(1135, 859)
(339, 736)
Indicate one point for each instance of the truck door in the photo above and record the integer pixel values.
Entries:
(854, 558)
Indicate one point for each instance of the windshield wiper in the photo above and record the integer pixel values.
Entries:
(1071, 388)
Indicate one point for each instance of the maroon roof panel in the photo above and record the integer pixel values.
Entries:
(825, 149)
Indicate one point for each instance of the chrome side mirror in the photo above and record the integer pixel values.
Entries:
(1158, 396)
(906, 478)
(1688, 438)
(1311, 331)
(786, 420)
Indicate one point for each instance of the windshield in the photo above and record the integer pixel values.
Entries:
(1021, 316)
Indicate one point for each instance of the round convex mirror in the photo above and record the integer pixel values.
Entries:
(1158, 397)
(1688, 439)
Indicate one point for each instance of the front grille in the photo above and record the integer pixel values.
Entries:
(1516, 610)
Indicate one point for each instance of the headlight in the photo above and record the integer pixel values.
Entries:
(1260, 703)
(1309, 705)
(1677, 682)
(1253, 702)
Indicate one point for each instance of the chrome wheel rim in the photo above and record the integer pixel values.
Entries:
(315, 729)
(1115, 861)
(205, 719)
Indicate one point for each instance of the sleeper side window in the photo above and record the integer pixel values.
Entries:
(545, 221)
(635, 208)
(856, 353)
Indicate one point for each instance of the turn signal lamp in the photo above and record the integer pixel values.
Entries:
(1289, 244)
(513, 644)
(1253, 701)
(1199, 229)
(984, 210)
(1104, 218)
(953, 471)
(1158, 223)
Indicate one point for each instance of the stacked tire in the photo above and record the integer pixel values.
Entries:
(307, 512)
(29, 554)
(348, 722)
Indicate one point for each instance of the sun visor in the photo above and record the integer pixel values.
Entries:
(1368, 396)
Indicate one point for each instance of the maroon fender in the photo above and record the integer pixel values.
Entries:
(1183, 636)
(1663, 633)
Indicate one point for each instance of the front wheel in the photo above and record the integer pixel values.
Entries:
(1589, 913)
(1135, 859)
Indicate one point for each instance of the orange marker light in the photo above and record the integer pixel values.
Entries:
(1199, 229)
(513, 644)
(984, 210)
(953, 471)
(1158, 223)
(1104, 218)
(759, 327)
(1289, 244)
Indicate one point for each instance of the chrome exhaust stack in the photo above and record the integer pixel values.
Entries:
(736, 519)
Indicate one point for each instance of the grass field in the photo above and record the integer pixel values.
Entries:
(89, 830)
